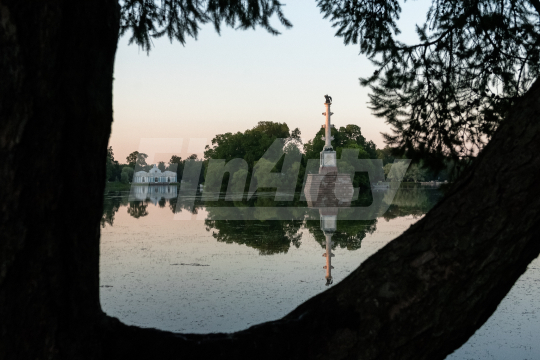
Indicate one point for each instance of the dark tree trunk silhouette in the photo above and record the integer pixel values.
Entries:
(56, 66)
(420, 297)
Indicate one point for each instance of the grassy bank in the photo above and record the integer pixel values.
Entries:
(117, 186)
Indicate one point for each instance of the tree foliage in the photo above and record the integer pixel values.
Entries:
(161, 166)
(415, 172)
(180, 19)
(385, 155)
(249, 145)
(132, 158)
(137, 161)
(447, 94)
(346, 137)
(111, 165)
(176, 164)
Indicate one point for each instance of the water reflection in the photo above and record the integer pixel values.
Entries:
(415, 201)
(268, 236)
(264, 267)
(112, 203)
(154, 193)
(151, 275)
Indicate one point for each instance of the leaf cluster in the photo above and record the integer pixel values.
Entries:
(180, 19)
(446, 95)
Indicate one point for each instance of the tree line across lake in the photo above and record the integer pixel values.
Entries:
(252, 144)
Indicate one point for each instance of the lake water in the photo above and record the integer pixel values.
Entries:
(208, 275)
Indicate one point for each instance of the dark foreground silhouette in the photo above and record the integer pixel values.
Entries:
(420, 297)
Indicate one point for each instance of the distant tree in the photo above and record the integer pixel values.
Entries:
(132, 159)
(137, 161)
(124, 178)
(416, 173)
(349, 136)
(175, 160)
(346, 161)
(129, 173)
(295, 135)
(293, 142)
(113, 168)
(176, 164)
(181, 165)
(386, 169)
(249, 145)
(110, 174)
(396, 171)
(161, 166)
(141, 162)
(385, 155)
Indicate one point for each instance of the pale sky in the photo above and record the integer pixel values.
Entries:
(228, 83)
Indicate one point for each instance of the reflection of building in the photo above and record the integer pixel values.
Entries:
(154, 176)
(153, 193)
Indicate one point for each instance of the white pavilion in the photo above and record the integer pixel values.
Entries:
(154, 176)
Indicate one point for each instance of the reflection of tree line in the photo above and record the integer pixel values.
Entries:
(276, 236)
(111, 204)
(269, 237)
(349, 234)
(115, 200)
(415, 202)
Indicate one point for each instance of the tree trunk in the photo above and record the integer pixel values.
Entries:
(420, 297)
(56, 66)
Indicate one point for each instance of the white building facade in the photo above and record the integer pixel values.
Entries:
(154, 176)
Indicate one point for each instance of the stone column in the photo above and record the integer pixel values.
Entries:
(328, 129)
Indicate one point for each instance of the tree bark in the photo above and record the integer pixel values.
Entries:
(56, 66)
(420, 297)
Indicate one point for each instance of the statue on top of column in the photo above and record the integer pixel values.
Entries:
(328, 99)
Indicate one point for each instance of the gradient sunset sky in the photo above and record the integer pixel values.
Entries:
(229, 83)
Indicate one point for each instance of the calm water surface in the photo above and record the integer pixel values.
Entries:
(206, 275)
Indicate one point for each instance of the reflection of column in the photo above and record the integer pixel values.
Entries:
(328, 254)
(328, 191)
(328, 226)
